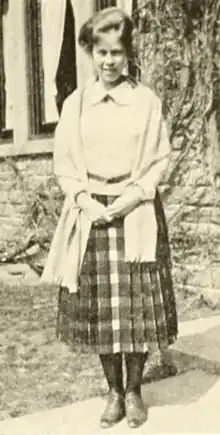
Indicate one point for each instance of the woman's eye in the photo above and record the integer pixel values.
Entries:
(116, 53)
(113, 53)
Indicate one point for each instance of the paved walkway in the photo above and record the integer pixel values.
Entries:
(182, 404)
(199, 345)
(198, 326)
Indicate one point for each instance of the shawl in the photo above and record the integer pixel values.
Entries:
(140, 228)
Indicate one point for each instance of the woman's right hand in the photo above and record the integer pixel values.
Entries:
(94, 210)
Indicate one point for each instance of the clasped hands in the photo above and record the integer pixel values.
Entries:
(98, 213)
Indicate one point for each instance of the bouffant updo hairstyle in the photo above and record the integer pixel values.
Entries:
(104, 21)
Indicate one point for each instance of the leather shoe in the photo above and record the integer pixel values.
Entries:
(135, 411)
(114, 411)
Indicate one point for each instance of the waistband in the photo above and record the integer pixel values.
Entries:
(108, 186)
(113, 180)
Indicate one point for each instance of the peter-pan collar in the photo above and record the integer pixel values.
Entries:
(122, 94)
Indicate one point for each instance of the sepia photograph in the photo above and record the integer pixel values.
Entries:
(109, 217)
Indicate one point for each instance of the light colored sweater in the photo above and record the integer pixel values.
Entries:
(148, 165)
(109, 129)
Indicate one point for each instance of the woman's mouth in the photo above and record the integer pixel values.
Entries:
(108, 70)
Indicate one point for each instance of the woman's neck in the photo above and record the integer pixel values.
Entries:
(109, 86)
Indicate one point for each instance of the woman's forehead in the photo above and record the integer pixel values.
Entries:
(109, 39)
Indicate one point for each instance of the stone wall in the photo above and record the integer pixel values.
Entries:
(192, 208)
(18, 180)
(193, 213)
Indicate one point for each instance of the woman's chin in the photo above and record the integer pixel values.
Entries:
(111, 79)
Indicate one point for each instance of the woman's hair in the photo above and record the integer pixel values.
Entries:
(104, 21)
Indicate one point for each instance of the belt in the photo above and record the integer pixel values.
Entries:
(112, 180)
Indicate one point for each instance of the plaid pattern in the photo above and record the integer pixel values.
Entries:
(120, 307)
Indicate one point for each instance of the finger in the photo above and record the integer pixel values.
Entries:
(112, 217)
(98, 222)
(109, 219)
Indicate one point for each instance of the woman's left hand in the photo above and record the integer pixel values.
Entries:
(125, 203)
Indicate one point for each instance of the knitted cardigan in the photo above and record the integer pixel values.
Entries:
(140, 228)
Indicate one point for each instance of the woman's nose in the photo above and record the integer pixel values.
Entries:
(109, 59)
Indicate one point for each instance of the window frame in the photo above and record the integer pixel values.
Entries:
(19, 90)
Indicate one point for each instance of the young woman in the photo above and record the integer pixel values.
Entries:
(110, 252)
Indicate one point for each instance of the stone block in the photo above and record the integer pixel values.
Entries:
(11, 209)
(38, 165)
(4, 196)
(18, 273)
(201, 228)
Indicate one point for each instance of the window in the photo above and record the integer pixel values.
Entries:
(51, 61)
(38, 57)
(102, 4)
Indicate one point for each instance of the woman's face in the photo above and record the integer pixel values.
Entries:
(109, 58)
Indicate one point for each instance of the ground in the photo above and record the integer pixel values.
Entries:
(36, 371)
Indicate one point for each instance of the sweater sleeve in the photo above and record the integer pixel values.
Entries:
(65, 166)
(156, 150)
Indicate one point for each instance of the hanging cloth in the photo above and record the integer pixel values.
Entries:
(126, 5)
(53, 20)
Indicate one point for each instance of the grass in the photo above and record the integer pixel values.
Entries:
(36, 371)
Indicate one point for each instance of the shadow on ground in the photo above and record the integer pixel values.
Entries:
(179, 390)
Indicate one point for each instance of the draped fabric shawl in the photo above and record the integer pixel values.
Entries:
(140, 228)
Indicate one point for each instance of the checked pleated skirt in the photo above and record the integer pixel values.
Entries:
(120, 307)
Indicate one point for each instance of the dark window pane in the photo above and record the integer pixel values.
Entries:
(102, 4)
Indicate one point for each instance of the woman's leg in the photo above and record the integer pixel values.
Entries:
(115, 409)
(135, 410)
